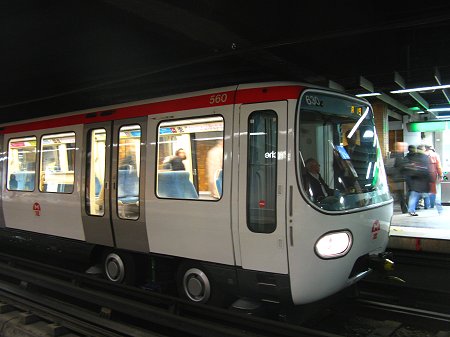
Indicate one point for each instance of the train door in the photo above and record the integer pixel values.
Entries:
(113, 179)
(262, 186)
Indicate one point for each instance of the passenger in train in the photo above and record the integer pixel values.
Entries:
(13, 182)
(128, 164)
(176, 162)
(314, 183)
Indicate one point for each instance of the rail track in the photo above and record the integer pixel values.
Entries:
(75, 301)
(49, 301)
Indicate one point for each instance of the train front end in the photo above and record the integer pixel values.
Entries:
(340, 208)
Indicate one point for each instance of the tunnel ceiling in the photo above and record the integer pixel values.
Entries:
(59, 56)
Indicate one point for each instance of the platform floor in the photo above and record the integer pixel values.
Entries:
(428, 224)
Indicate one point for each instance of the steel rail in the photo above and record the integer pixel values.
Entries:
(409, 314)
(131, 304)
(68, 316)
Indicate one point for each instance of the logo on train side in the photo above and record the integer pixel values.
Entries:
(270, 155)
(376, 227)
(37, 209)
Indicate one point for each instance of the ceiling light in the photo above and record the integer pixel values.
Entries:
(369, 94)
(434, 87)
(438, 109)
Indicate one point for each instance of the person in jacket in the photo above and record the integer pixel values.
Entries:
(417, 173)
(396, 178)
(436, 177)
(314, 183)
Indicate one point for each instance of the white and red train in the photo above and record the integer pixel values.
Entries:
(211, 183)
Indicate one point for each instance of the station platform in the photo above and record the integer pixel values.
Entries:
(429, 231)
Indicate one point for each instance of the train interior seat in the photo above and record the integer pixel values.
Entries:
(219, 178)
(128, 194)
(176, 184)
(25, 181)
(128, 186)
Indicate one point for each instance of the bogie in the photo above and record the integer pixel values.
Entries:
(119, 267)
(195, 284)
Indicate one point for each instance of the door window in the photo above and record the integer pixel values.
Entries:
(129, 158)
(57, 162)
(21, 164)
(262, 171)
(190, 159)
(95, 172)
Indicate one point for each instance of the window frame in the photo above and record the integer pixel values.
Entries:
(248, 192)
(87, 166)
(299, 168)
(157, 152)
(7, 187)
(40, 161)
(120, 127)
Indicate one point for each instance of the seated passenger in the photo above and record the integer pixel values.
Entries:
(13, 184)
(314, 183)
(175, 163)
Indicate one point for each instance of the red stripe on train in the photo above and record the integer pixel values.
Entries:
(267, 94)
(253, 95)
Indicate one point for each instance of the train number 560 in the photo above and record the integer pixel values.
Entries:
(218, 98)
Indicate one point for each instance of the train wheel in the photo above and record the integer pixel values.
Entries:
(195, 285)
(119, 267)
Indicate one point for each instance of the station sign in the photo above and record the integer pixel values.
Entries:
(428, 126)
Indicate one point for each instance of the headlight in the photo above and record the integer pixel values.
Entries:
(334, 244)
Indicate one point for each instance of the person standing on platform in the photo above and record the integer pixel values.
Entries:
(396, 177)
(436, 177)
(425, 196)
(417, 172)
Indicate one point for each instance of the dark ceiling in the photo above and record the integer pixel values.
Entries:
(59, 56)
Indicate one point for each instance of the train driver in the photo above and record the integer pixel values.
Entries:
(314, 183)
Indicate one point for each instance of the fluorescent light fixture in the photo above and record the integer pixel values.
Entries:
(350, 135)
(368, 134)
(434, 87)
(368, 170)
(444, 115)
(420, 112)
(369, 94)
(428, 126)
(438, 109)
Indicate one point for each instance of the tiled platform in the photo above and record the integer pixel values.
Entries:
(428, 224)
(428, 231)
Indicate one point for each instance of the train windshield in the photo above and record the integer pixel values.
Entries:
(339, 157)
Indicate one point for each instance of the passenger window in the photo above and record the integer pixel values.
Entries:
(57, 163)
(262, 171)
(21, 164)
(128, 172)
(95, 172)
(190, 158)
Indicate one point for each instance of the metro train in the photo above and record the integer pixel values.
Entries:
(207, 187)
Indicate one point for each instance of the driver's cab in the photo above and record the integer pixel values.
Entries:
(337, 141)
